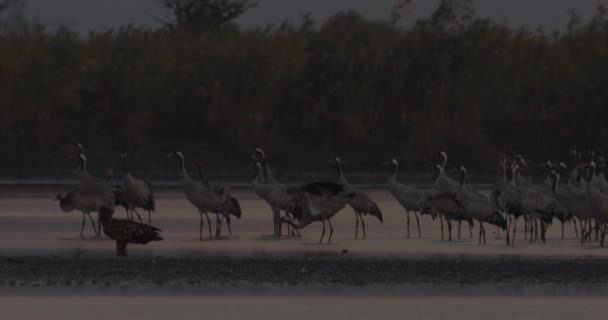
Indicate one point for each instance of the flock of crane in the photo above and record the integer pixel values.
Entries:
(568, 194)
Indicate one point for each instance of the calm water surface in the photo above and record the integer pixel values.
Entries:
(35, 225)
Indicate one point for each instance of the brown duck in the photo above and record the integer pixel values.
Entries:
(126, 231)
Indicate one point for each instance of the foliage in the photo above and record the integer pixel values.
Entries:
(203, 15)
(456, 81)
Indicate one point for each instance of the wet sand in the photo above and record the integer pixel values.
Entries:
(34, 225)
(318, 307)
(40, 248)
(43, 263)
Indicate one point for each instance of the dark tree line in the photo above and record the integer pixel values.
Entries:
(454, 81)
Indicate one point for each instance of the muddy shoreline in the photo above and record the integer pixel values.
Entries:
(59, 271)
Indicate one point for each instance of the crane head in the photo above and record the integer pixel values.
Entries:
(175, 154)
(79, 147)
(259, 154)
(257, 168)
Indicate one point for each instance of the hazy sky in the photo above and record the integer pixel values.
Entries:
(97, 14)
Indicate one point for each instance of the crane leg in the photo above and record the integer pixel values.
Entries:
(531, 231)
(331, 231)
(459, 222)
(356, 225)
(417, 224)
(121, 249)
(82, 227)
(137, 213)
(297, 232)
(441, 222)
(92, 223)
(279, 225)
(218, 225)
(575, 228)
(470, 230)
(149, 217)
(484, 233)
(200, 230)
(275, 222)
(498, 228)
(480, 233)
(562, 222)
(449, 229)
(582, 233)
(323, 232)
(362, 227)
(508, 228)
(408, 223)
(208, 224)
(98, 233)
(514, 231)
(526, 226)
(228, 225)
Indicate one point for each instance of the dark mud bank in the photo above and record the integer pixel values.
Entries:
(51, 271)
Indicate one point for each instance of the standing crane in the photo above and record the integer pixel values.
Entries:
(317, 201)
(135, 192)
(410, 198)
(362, 204)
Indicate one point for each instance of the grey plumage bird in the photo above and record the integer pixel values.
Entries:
(480, 208)
(317, 201)
(231, 204)
(362, 204)
(135, 192)
(269, 189)
(446, 184)
(597, 202)
(86, 180)
(86, 200)
(201, 197)
(519, 200)
(410, 198)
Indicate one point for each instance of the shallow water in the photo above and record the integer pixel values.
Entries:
(32, 224)
(298, 307)
(36, 225)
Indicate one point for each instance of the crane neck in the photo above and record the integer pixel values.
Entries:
(83, 165)
(394, 171)
(339, 169)
(463, 178)
(445, 161)
(439, 174)
(266, 173)
(203, 176)
(392, 178)
(125, 166)
(555, 183)
(182, 168)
